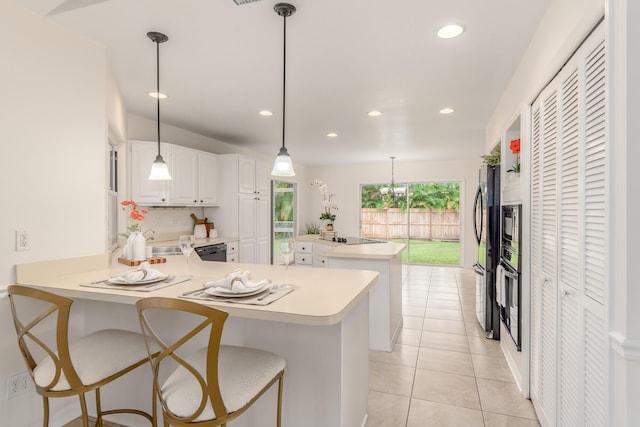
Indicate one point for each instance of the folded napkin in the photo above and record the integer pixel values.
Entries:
(236, 282)
(144, 272)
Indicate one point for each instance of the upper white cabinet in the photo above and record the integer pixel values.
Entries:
(141, 157)
(194, 176)
(254, 176)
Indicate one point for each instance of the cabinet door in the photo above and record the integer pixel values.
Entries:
(247, 253)
(263, 252)
(247, 217)
(184, 171)
(263, 217)
(143, 191)
(246, 175)
(207, 179)
(263, 178)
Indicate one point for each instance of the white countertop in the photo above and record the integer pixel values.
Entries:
(322, 298)
(384, 250)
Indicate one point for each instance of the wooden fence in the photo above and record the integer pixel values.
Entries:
(423, 224)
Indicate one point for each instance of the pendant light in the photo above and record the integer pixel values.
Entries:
(393, 190)
(283, 165)
(159, 169)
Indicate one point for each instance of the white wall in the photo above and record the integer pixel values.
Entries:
(345, 180)
(54, 88)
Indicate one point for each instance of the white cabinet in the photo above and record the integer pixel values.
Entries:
(141, 156)
(311, 254)
(569, 241)
(184, 173)
(208, 179)
(245, 207)
(232, 251)
(194, 176)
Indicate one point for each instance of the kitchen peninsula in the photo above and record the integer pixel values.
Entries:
(320, 328)
(385, 297)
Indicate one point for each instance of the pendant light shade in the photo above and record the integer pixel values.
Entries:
(283, 165)
(159, 169)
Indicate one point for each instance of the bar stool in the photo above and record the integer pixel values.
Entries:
(61, 368)
(209, 386)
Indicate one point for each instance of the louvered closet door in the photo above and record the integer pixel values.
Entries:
(569, 220)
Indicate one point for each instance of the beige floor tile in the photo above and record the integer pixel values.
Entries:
(404, 355)
(442, 387)
(504, 398)
(492, 368)
(416, 302)
(412, 322)
(453, 362)
(469, 315)
(474, 329)
(432, 414)
(488, 347)
(444, 341)
(389, 378)
(78, 423)
(443, 295)
(415, 293)
(439, 313)
(410, 310)
(439, 287)
(445, 304)
(409, 337)
(444, 325)
(387, 410)
(500, 420)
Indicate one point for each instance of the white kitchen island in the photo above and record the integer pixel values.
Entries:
(320, 329)
(385, 297)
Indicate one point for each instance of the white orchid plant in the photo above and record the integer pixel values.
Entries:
(327, 201)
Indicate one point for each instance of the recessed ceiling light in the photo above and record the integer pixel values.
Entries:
(450, 31)
(447, 110)
(374, 113)
(332, 135)
(157, 95)
(266, 113)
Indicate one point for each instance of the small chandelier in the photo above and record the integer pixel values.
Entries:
(392, 190)
(283, 165)
(159, 169)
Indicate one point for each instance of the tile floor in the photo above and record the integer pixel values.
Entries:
(442, 371)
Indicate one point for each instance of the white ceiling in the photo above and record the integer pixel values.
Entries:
(223, 64)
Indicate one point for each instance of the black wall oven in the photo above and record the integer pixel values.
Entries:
(509, 286)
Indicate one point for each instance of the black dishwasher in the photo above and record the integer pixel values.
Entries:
(217, 252)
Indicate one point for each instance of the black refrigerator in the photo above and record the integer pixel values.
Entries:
(486, 224)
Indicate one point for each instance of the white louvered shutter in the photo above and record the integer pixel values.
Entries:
(569, 242)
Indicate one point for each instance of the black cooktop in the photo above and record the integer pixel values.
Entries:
(352, 240)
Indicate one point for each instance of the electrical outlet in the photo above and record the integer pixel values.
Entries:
(23, 240)
(18, 384)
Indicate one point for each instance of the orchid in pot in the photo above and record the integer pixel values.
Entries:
(328, 203)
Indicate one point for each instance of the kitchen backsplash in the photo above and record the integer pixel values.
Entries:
(170, 220)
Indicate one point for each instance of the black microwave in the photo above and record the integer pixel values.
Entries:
(511, 230)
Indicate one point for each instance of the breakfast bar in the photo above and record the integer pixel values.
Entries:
(320, 328)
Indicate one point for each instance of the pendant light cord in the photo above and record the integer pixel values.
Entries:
(284, 77)
(158, 90)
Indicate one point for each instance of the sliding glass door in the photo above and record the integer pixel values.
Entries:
(424, 216)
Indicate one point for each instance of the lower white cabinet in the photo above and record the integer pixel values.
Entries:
(311, 254)
(232, 251)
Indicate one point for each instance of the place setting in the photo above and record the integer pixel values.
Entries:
(238, 287)
(143, 278)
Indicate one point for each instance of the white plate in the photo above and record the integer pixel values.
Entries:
(124, 281)
(218, 293)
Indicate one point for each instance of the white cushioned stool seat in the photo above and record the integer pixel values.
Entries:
(243, 372)
(95, 357)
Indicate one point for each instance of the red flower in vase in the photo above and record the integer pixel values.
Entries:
(514, 146)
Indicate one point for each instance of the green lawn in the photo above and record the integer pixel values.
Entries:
(431, 252)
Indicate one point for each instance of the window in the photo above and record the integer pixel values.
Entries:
(284, 208)
(112, 198)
